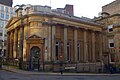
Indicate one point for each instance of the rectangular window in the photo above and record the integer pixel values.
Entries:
(110, 28)
(111, 43)
(2, 15)
(112, 57)
(6, 9)
(11, 11)
(57, 50)
(6, 23)
(0, 34)
(7, 16)
(1, 23)
(78, 51)
(68, 51)
(2, 8)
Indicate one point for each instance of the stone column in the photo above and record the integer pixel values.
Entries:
(100, 50)
(93, 46)
(8, 46)
(65, 43)
(49, 43)
(24, 44)
(17, 53)
(75, 45)
(11, 44)
(85, 47)
(21, 42)
(14, 45)
(46, 54)
(53, 42)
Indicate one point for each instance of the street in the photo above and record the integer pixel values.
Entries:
(5, 75)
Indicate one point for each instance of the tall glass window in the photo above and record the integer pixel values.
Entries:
(7, 16)
(68, 52)
(78, 51)
(6, 9)
(1, 23)
(2, 15)
(2, 8)
(57, 50)
(11, 11)
(6, 23)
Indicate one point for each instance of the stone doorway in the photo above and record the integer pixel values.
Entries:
(35, 58)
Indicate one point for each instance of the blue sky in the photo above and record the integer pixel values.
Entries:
(86, 8)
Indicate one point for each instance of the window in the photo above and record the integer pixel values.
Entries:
(68, 51)
(57, 50)
(78, 51)
(111, 43)
(5, 43)
(11, 15)
(6, 23)
(11, 10)
(1, 23)
(110, 28)
(6, 9)
(2, 15)
(0, 34)
(7, 16)
(2, 8)
(112, 57)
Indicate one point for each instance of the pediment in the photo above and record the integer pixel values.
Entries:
(11, 21)
(34, 36)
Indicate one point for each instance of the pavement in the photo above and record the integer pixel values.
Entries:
(16, 70)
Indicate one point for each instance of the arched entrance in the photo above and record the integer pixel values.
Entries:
(34, 58)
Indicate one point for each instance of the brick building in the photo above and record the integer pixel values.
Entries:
(68, 9)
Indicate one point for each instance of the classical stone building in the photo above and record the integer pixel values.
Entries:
(40, 38)
(112, 8)
(110, 18)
